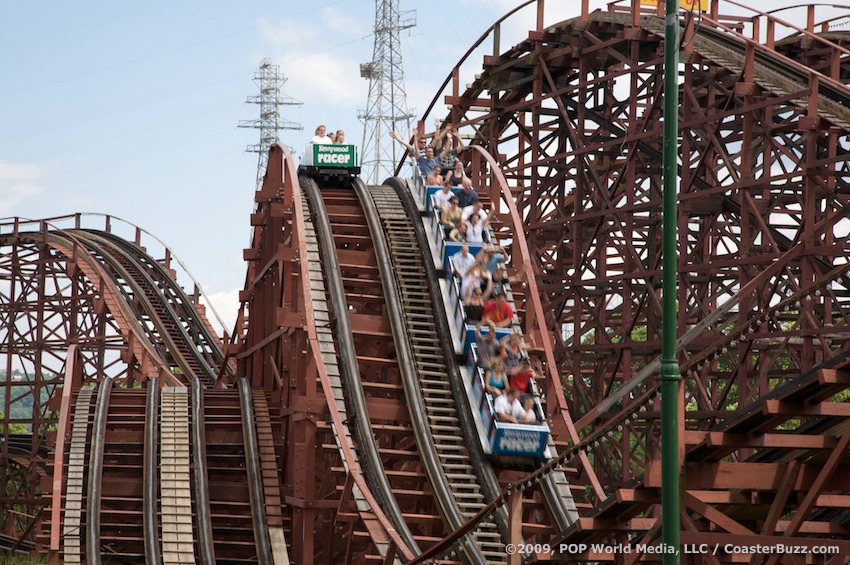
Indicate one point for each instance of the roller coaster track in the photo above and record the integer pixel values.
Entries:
(423, 369)
(378, 528)
(122, 447)
(365, 434)
(177, 321)
(555, 485)
(341, 233)
(189, 341)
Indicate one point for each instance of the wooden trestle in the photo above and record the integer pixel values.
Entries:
(371, 464)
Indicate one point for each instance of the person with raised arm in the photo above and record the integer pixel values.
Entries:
(424, 154)
(522, 376)
(489, 346)
(515, 351)
(451, 146)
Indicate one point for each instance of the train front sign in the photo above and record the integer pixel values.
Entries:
(330, 161)
(335, 155)
(518, 440)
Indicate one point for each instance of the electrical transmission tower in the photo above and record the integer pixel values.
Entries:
(386, 109)
(269, 79)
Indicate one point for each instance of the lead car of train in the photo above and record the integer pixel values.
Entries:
(323, 162)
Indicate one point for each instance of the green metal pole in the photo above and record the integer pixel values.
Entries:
(670, 373)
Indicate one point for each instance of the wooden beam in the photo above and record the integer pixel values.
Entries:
(704, 475)
(834, 376)
(715, 516)
(777, 509)
(789, 408)
(790, 441)
(827, 471)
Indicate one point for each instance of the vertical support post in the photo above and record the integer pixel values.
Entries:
(515, 525)
(541, 8)
(670, 374)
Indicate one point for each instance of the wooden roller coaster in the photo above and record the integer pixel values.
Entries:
(334, 423)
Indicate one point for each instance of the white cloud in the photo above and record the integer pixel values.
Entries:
(317, 58)
(289, 33)
(324, 78)
(18, 181)
(226, 303)
(337, 21)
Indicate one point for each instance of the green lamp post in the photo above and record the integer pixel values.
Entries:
(670, 375)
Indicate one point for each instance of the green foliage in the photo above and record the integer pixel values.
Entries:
(22, 400)
(15, 428)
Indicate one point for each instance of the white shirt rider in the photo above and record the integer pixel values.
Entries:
(321, 136)
(508, 407)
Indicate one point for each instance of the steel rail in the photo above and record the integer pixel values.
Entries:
(181, 346)
(93, 496)
(370, 458)
(255, 484)
(153, 550)
(419, 417)
(203, 515)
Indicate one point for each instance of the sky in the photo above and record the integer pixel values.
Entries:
(132, 109)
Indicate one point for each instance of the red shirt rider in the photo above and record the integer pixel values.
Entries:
(498, 311)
